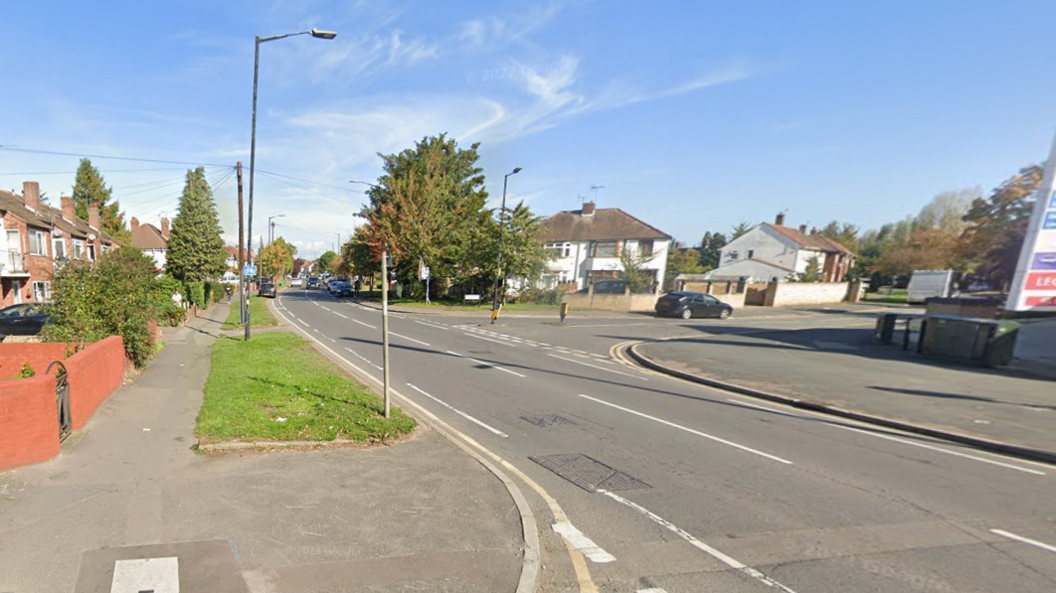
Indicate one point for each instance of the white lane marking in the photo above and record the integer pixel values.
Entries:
(361, 323)
(459, 412)
(292, 315)
(408, 338)
(689, 430)
(305, 324)
(1025, 540)
(884, 436)
(939, 449)
(159, 575)
(490, 340)
(324, 308)
(357, 355)
(431, 325)
(582, 543)
(696, 543)
(487, 364)
(651, 590)
(339, 315)
(594, 366)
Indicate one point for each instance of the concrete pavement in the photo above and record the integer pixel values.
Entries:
(839, 370)
(418, 515)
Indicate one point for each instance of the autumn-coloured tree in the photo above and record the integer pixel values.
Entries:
(997, 226)
(276, 260)
(926, 249)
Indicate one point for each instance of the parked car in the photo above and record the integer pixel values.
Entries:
(313, 282)
(26, 319)
(296, 282)
(687, 304)
(340, 288)
(267, 289)
(609, 287)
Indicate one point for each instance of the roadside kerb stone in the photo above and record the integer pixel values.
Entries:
(814, 406)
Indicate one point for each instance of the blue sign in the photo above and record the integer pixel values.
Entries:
(1050, 221)
(1052, 201)
(249, 270)
(1044, 261)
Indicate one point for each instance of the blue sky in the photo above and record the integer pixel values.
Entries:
(694, 116)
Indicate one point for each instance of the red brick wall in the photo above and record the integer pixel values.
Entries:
(95, 373)
(30, 421)
(39, 356)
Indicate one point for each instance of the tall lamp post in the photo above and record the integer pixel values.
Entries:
(318, 34)
(271, 227)
(498, 265)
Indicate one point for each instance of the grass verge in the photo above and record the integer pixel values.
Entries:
(279, 375)
(259, 315)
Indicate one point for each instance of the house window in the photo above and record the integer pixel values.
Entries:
(91, 251)
(58, 248)
(78, 249)
(106, 248)
(38, 243)
(751, 253)
(41, 291)
(645, 247)
(606, 248)
(559, 249)
(734, 254)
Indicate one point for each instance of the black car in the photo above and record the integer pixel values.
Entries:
(26, 319)
(340, 288)
(313, 282)
(267, 289)
(687, 304)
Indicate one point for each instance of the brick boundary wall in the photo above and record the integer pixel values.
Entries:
(39, 356)
(95, 373)
(30, 421)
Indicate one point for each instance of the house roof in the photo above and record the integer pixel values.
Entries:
(812, 241)
(148, 236)
(605, 224)
(48, 217)
(233, 252)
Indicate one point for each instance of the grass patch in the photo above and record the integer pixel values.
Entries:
(279, 375)
(259, 315)
(888, 295)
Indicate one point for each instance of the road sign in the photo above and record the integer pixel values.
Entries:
(425, 272)
(249, 270)
(1034, 285)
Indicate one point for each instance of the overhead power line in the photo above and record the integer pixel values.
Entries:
(103, 156)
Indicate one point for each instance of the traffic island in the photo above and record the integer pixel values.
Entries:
(276, 390)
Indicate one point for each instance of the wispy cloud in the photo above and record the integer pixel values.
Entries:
(488, 34)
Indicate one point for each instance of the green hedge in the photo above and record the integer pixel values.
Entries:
(194, 294)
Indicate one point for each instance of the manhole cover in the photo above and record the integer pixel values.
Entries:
(589, 474)
(547, 420)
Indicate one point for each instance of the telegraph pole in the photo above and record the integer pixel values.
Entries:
(241, 252)
(385, 325)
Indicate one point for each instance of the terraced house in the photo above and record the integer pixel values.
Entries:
(36, 239)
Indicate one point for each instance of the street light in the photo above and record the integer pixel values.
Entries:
(372, 186)
(498, 265)
(318, 34)
(271, 227)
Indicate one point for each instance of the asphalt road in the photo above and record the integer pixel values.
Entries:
(683, 489)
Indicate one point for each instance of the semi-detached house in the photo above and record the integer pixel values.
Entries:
(37, 239)
(587, 244)
(775, 252)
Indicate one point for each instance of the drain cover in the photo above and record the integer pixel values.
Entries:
(589, 474)
(547, 420)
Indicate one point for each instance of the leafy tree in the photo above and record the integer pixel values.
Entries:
(738, 230)
(89, 189)
(845, 234)
(360, 255)
(926, 249)
(325, 259)
(711, 245)
(683, 260)
(276, 260)
(523, 255)
(115, 296)
(813, 271)
(946, 210)
(427, 207)
(633, 271)
(997, 227)
(196, 249)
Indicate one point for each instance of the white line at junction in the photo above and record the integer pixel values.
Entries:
(459, 412)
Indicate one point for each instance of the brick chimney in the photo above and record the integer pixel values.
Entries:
(165, 227)
(134, 223)
(93, 217)
(814, 230)
(780, 220)
(588, 208)
(31, 194)
(803, 229)
(68, 211)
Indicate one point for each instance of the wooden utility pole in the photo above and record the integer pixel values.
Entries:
(242, 302)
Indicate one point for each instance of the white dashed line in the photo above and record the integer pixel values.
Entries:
(305, 324)
(487, 364)
(489, 339)
(689, 430)
(459, 412)
(340, 315)
(408, 338)
(361, 323)
(430, 325)
(357, 355)
(594, 366)
(1025, 540)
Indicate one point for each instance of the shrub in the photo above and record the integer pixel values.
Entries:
(195, 294)
(165, 310)
(115, 296)
(216, 291)
(26, 372)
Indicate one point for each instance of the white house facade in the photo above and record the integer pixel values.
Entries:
(771, 252)
(151, 240)
(588, 243)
